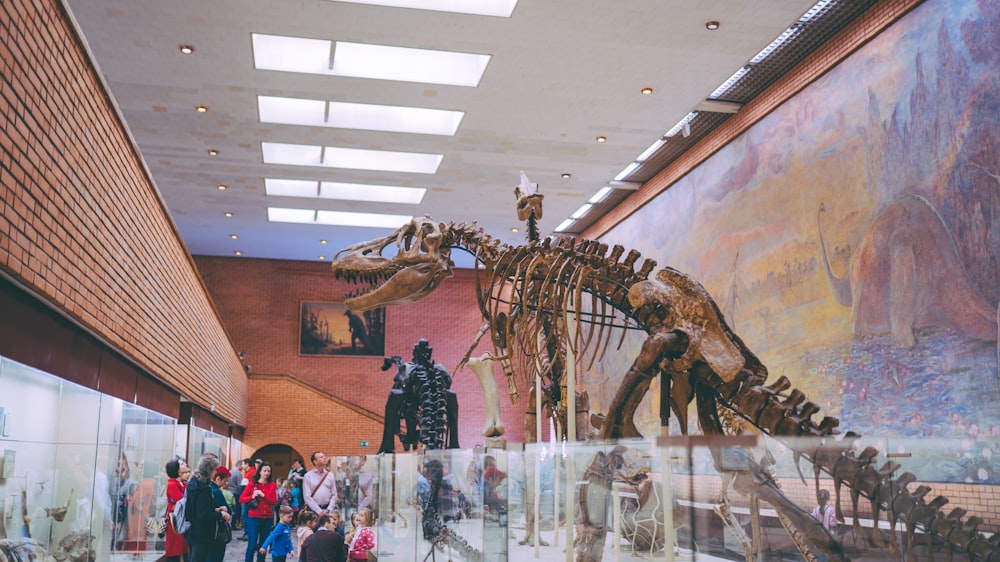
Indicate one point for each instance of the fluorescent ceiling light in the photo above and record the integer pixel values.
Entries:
(351, 158)
(628, 170)
(564, 225)
(397, 119)
(583, 210)
(278, 214)
(344, 191)
(600, 195)
(499, 8)
(376, 193)
(680, 125)
(291, 188)
(372, 220)
(649, 151)
(336, 218)
(361, 60)
(729, 83)
(785, 36)
(815, 10)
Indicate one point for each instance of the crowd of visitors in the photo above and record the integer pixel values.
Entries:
(214, 501)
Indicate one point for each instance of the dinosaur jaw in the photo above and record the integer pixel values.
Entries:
(406, 285)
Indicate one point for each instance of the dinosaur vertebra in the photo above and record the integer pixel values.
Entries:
(532, 292)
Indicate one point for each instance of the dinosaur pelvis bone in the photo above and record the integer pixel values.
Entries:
(688, 308)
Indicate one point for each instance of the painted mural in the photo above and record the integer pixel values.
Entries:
(852, 238)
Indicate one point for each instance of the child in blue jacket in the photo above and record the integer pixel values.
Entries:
(280, 539)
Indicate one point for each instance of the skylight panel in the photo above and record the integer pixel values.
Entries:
(729, 82)
(279, 214)
(397, 119)
(291, 111)
(582, 211)
(350, 158)
(651, 150)
(383, 62)
(361, 60)
(680, 125)
(781, 40)
(565, 225)
(600, 195)
(628, 170)
(375, 193)
(391, 118)
(292, 154)
(382, 160)
(371, 220)
(291, 188)
(498, 8)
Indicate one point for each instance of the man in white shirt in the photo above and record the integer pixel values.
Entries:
(319, 487)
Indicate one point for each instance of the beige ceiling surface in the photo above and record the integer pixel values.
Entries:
(561, 73)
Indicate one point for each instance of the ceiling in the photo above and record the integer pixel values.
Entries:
(561, 73)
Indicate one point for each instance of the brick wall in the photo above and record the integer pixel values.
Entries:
(82, 225)
(259, 301)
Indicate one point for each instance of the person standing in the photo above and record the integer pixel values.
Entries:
(319, 489)
(235, 487)
(297, 472)
(366, 485)
(260, 497)
(824, 513)
(280, 538)
(176, 545)
(205, 510)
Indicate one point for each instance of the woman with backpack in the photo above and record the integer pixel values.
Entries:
(176, 545)
(260, 495)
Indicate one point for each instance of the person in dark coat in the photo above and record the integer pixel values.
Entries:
(326, 544)
(204, 512)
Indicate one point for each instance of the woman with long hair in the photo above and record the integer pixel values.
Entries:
(176, 545)
(261, 495)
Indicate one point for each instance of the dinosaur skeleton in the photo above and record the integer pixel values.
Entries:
(532, 293)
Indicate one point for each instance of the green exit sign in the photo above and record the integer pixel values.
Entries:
(364, 443)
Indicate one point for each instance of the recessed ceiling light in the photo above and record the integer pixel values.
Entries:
(514, 229)
(238, 253)
(646, 91)
(322, 241)
(351, 158)
(322, 257)
(566, 175)
(228, 213)
(186, 49)
(213, 152)
(201, 108)
(360, 60)
(602, 139)
(223, 187)
(234, 236)
(711, 25)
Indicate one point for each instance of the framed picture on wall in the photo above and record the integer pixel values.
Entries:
(329, 328)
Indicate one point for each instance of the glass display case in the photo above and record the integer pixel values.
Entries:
(81, 472)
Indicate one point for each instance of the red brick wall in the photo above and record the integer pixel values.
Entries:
(82, 225)
(259, 303)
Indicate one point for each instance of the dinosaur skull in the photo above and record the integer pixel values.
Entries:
(691, 310)
(419, 266)
(528, 203)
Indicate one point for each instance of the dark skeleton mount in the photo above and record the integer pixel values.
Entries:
(421, 397)
(549, 297)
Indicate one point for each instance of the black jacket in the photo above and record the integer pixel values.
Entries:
(200, 512)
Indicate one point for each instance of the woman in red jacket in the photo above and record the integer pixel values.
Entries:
(260, 518)
(176, 545)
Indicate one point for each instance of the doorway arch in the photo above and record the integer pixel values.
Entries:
(279, 456)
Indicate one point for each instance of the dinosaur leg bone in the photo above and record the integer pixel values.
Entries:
(483, 368)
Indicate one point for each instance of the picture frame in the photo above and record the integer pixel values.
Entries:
(330, 329)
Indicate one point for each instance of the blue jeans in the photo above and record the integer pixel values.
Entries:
(257, 529)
